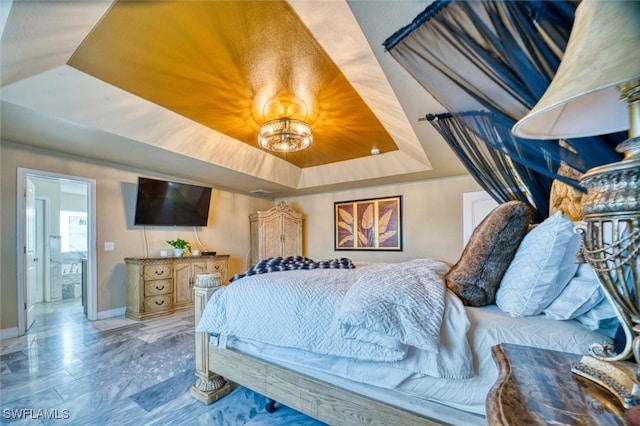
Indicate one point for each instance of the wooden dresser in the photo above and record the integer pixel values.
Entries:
(275, 232)
(158, 286)
(536, 387)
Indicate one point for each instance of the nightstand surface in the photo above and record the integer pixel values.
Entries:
(536, 386)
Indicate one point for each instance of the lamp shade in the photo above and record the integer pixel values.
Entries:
(583, 99)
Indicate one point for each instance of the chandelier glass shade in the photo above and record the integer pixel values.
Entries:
(285, 135)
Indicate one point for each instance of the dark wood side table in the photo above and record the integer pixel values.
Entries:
(536, 386)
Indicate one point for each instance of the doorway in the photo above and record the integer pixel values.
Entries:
(56, 234)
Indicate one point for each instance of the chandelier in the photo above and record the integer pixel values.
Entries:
(285, 135)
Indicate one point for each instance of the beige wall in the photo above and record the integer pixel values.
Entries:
(432, 221)
(3, 234)
(227, 233)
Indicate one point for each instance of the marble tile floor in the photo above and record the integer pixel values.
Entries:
(71, 371)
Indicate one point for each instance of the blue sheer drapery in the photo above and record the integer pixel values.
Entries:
(496, 59)
(493, 169)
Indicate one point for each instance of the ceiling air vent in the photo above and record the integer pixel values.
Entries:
(260, 192)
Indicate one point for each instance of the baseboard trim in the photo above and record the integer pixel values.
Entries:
(8, 333)
(118, 312)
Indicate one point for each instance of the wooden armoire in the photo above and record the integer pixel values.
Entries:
(275, 232)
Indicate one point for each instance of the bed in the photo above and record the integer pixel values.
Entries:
(405, 343)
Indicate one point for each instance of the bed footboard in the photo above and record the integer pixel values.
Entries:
(319, 399)
(209, 387)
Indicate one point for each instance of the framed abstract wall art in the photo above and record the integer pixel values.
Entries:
(374, 224)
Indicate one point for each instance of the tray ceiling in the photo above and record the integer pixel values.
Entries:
(188, 83)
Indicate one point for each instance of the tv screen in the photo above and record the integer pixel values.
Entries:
(167, 203)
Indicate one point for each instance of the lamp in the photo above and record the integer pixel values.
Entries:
(285, 135)
(596, 90)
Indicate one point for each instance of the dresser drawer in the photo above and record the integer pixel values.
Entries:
(159, 286)
(157, 303)
(219, 266)
(157, 272)
(155, 287)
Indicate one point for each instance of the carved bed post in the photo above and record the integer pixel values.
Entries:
(209, 387)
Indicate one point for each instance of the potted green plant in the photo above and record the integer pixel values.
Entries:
(179, 246)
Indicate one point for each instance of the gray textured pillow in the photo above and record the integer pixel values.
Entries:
(476, 276)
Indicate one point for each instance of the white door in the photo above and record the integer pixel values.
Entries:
(30, 250)
(27, 237)
(40, 251)
(475, 207)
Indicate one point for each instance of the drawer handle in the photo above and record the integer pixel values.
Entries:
(160, 303)
(160, 272)
(216, 266)
(159, 288)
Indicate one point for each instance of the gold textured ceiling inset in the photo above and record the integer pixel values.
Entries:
(230, 65)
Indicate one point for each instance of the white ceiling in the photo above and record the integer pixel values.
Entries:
(49, 104)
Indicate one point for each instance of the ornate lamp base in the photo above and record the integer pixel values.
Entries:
(611, 244)
(618, 377)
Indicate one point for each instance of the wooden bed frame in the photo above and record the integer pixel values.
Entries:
(216, 368)
(324, 401)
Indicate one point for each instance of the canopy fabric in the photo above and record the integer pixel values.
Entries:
(495, 59)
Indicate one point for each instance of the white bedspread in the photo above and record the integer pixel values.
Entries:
(401, 304)
(301, 309)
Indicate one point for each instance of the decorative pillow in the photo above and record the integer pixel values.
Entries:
(542, 267)
(476, 276)
(582, 294)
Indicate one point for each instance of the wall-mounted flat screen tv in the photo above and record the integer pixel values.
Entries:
(167, 203)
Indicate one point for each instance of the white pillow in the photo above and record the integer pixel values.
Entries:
(581, 294)
(542, 267)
